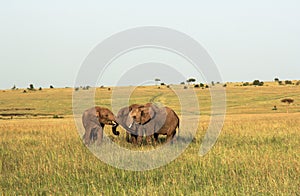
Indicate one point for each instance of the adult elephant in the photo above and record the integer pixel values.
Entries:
(154, 120)
(94, 119)
(128, 124)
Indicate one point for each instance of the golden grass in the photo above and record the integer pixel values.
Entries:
(256, 153)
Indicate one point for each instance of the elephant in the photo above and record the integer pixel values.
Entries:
(127, 123)
(94, 119)
(154, 120)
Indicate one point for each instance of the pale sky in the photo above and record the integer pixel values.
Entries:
(45, 42)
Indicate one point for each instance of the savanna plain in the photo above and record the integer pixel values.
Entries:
(257, 152)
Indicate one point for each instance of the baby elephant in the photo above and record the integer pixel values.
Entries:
(94, 119)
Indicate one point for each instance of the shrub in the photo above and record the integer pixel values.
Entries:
(31, 87)
(57, 116)
(288, 82)
(258, 83)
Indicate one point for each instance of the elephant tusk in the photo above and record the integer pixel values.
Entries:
(114, 123)
(130, 125)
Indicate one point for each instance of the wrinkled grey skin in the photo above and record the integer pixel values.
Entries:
(94, 119)
(132, 129)
(154, 120)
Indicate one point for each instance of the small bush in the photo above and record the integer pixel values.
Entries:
(246, 84)
(288, 82)
(258, 83)
(57, 116)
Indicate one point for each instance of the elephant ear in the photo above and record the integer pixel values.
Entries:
(147, 113)
(133, 106)
(97, 114)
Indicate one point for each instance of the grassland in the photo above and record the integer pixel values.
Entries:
(257, 152)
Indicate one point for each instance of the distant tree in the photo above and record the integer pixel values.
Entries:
(280, 82)
(162, 84)
(185, 87)
(190, 80)
(288, 82)
(212, 83)
(288, 101)
(298, 82)
(31, 87)
(156, 81)
(14, 87)
(51, 86)
(182, 83)
(258, 83)
(196, 86)
(76, 88)
(202, 85)
(225, 85)
(246, 84)
(276, 79)
(40, 88)
(206, 86)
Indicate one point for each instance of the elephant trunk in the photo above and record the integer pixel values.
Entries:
(114, 127)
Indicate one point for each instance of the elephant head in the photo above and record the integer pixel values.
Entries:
(106, 117)
(142, 114)
(127, 122)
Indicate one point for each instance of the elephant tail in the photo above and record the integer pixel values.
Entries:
(178, 130)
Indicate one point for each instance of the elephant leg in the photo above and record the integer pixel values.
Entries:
(170, 137)
(139, 140)
(99, 135)
(155, 137)
(149, 139)
(93, 136)
(127, 137)
(87, 138)
(133, 139)
(174, 139)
